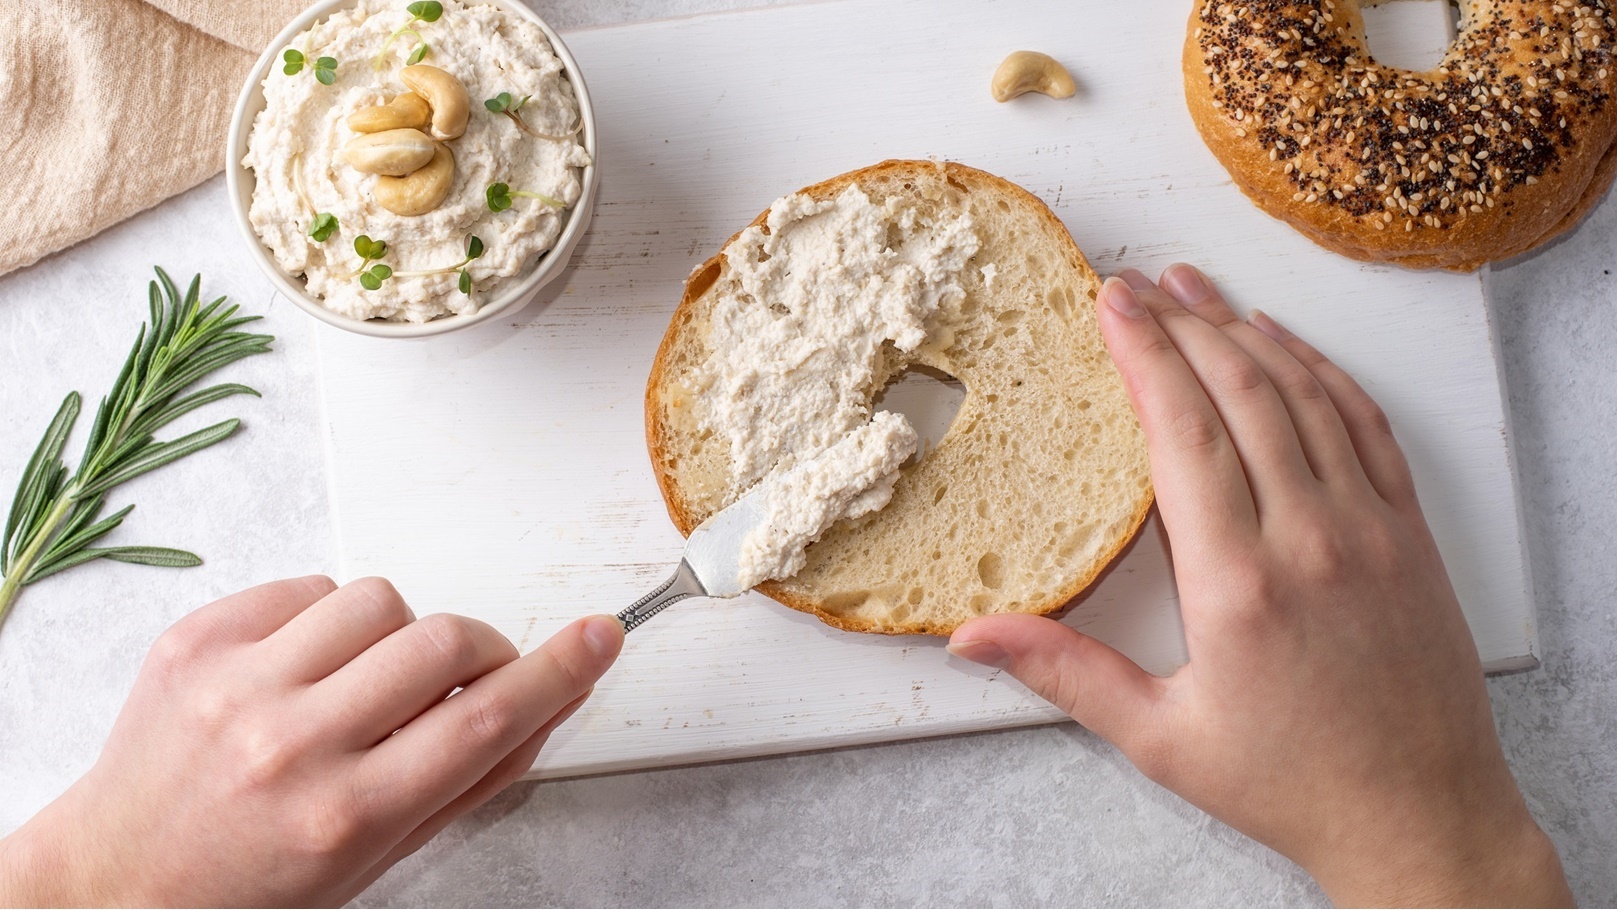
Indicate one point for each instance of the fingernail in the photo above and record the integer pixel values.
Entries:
(1135, 279)
(603, 635)
(1120, 297)
(1261, 321)
(1186, 284)
(980, 652)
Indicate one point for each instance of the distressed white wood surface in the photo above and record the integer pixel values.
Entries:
(502, 472)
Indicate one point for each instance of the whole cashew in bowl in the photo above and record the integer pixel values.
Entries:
(421, 191)
(1031, 71)
(408, 111)
(444, 94)
(391, 152)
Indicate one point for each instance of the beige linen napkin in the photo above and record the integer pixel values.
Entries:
(112, 106)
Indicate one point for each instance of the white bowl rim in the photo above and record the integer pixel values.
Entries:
(551, 263)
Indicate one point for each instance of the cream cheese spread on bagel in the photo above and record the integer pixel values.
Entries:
(768, 380)
(810, 298)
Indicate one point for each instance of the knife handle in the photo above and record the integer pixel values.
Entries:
(680, 585)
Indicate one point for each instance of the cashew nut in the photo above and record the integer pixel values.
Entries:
(1031, 71)
(421, 191)
(445, 95)
(408, 111)
(393, 152)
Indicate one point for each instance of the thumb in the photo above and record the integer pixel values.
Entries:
(1091, 681)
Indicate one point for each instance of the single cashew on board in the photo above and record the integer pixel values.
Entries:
(1031, 71)
(408, 111)
(393, 152)
(444, 94)
(421, 191)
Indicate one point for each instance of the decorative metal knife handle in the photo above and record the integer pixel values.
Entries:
(680, 585)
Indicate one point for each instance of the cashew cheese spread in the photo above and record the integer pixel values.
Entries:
(296, 152)
(797, 333)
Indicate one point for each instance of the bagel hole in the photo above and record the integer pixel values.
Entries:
(1410, 34)
(929, 399)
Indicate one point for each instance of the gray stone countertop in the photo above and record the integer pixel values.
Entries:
(1042, 816)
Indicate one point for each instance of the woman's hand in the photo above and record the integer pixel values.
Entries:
(287, 744)
(1333, 706)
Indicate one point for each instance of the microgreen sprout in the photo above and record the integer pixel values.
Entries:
(503, 103)
(422, 11)
(499, 197)
(370, 279)
(474, 249)
(324, 225)
(325, 68)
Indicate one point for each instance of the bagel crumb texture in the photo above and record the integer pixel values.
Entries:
(1499, 148)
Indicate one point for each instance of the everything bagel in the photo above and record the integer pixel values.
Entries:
(1506, 143)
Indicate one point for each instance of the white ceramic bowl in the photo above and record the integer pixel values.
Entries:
(241, 181)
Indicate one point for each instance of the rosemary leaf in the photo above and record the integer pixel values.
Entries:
(48, 451)
(152, 457)
(152, 556)
(84, 512)
(156, 420)
(80, 539)
(68, 561)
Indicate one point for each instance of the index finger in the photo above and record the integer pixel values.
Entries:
(1202, 490)
(447, 750)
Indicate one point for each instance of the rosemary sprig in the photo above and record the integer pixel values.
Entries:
(56, 516)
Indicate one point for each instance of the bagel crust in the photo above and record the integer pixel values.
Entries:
(1505, 144)
(1041, 480)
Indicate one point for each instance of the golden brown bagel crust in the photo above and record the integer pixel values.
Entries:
(691, 501)
(1507, 143)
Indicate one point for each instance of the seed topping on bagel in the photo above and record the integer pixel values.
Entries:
(1410, 150)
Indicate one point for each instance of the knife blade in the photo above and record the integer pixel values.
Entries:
(710, 566)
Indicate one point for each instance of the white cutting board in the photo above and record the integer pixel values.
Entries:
(502, 472)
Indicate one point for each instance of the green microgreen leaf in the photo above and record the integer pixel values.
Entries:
(372, 278)
(499, 102)
(465, 283)
(369, 249)
(498, 196)
(294, 61)
(325, 70)
(474, 248)
(426, 10)
(324, 225)
(417, 55)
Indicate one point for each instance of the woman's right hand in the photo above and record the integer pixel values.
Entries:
(1333, 706)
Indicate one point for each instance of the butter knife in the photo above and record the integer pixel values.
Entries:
(710, 566)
